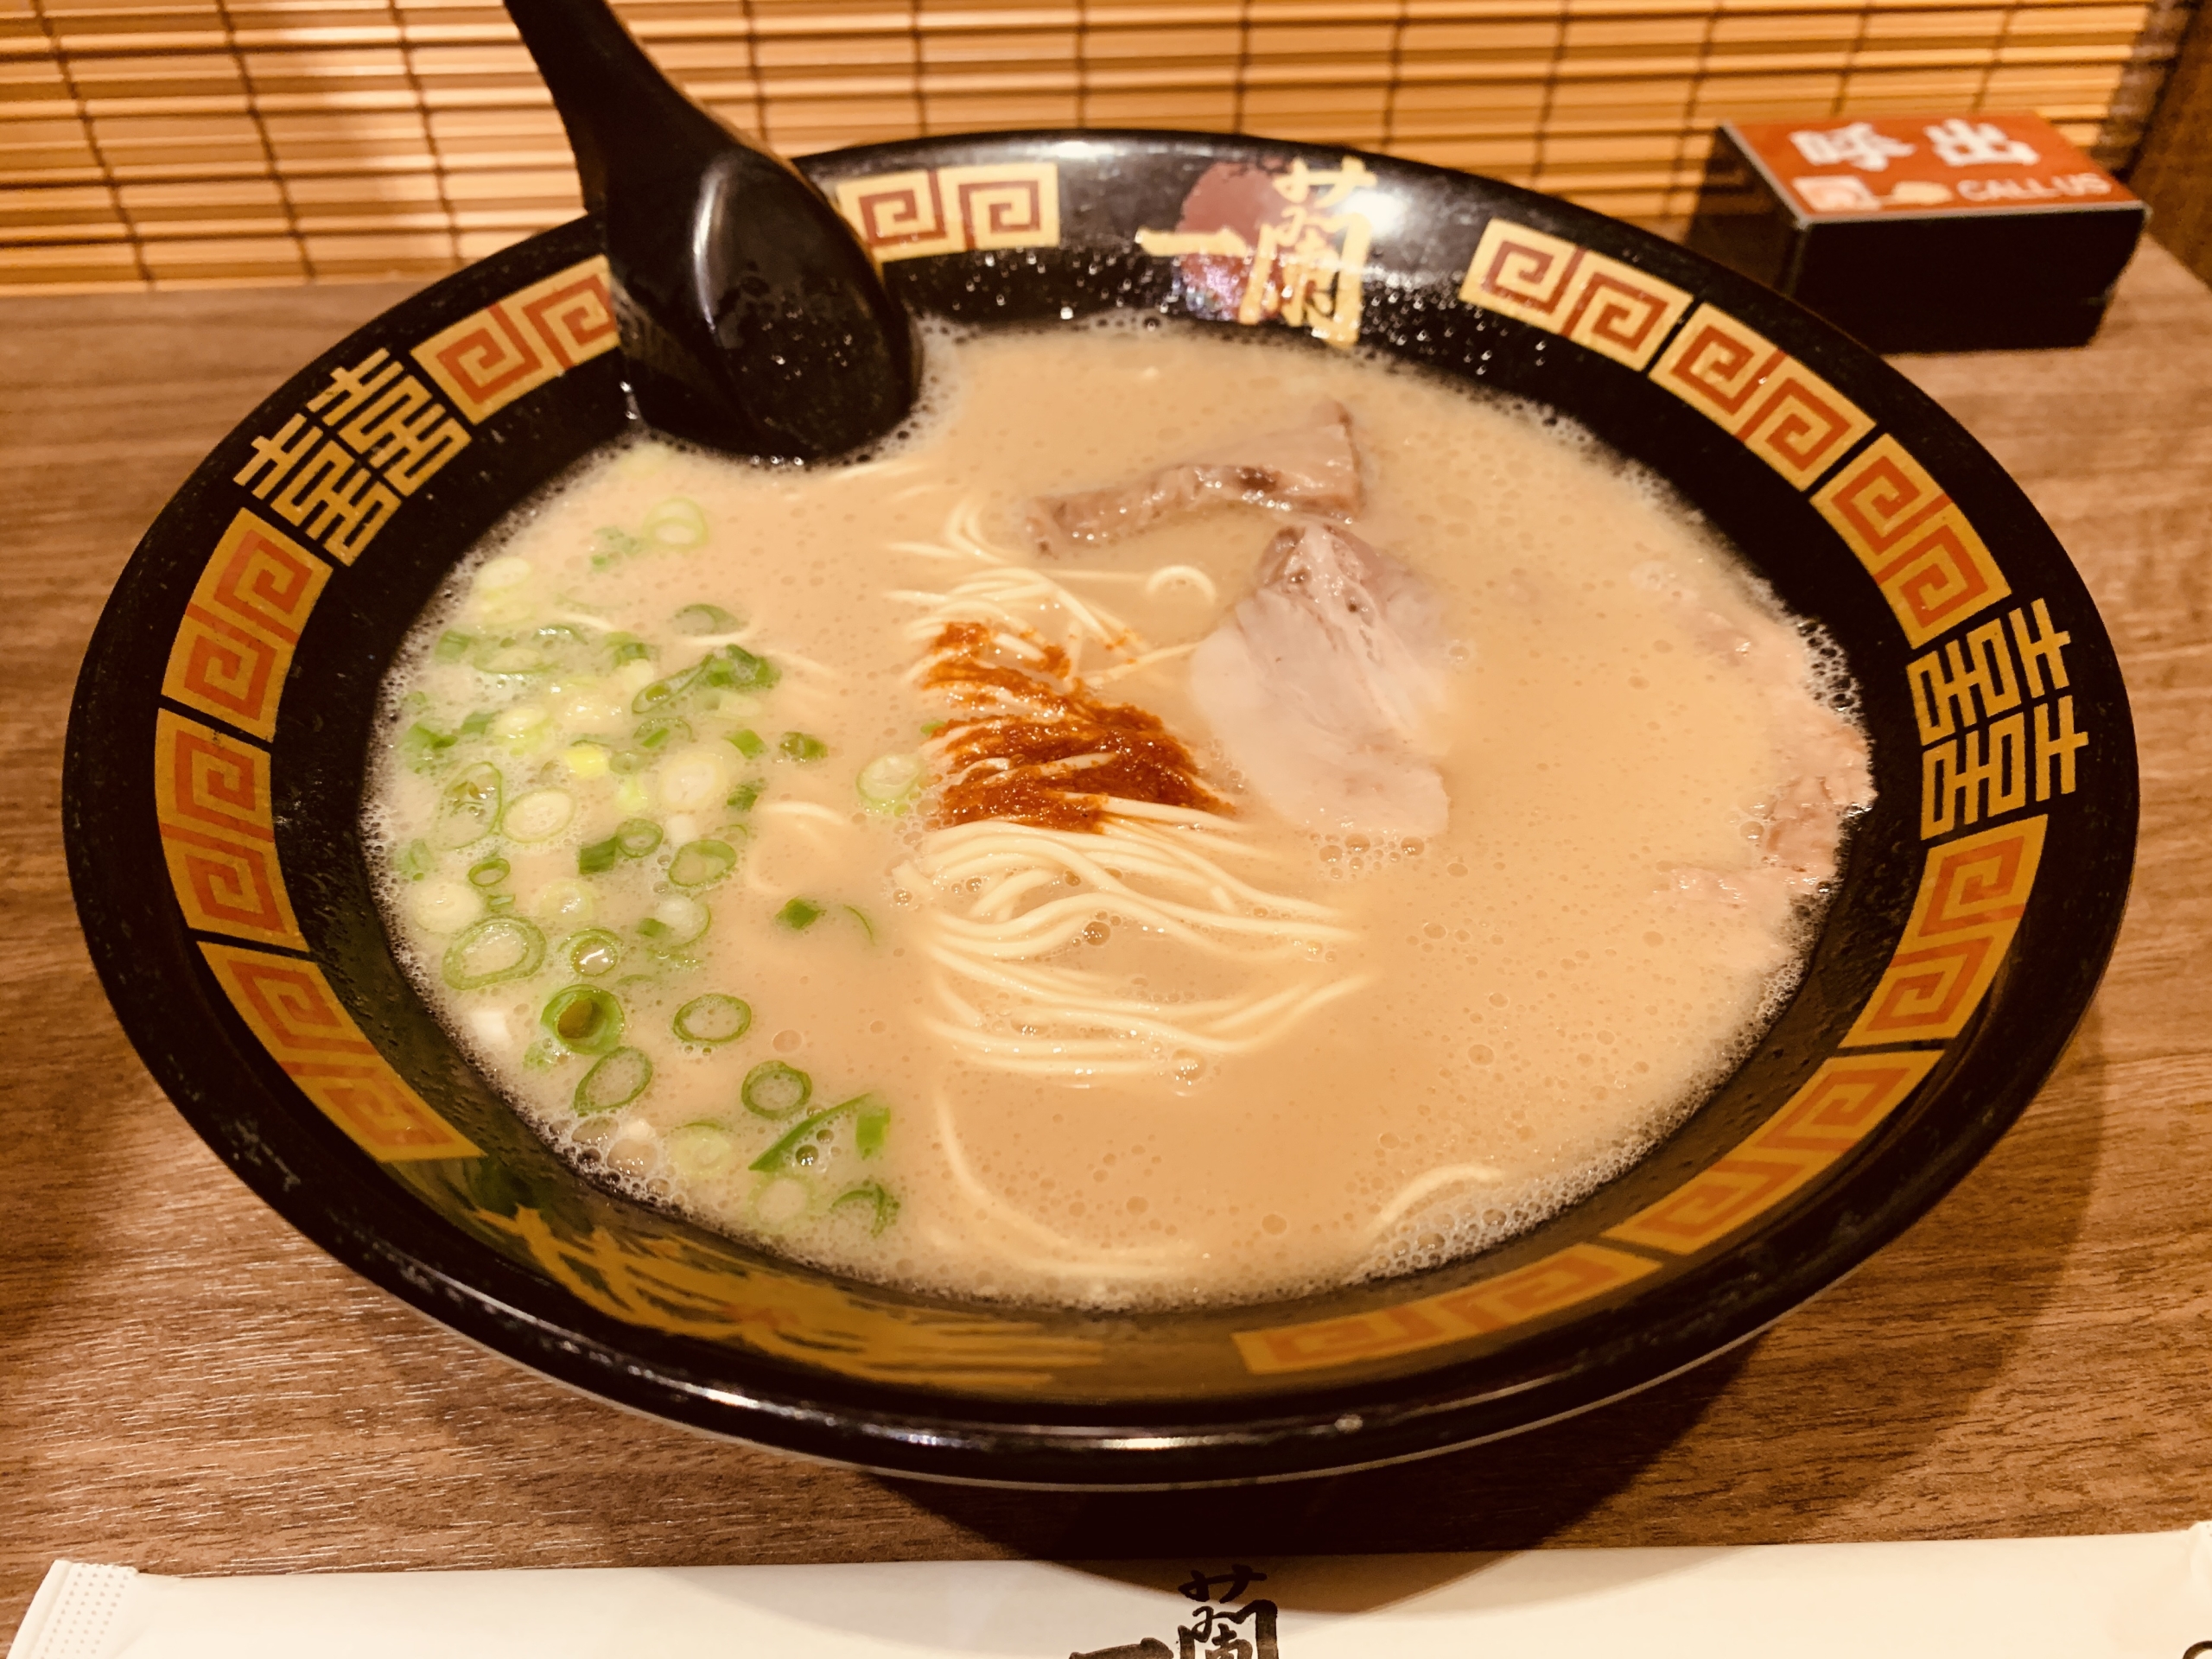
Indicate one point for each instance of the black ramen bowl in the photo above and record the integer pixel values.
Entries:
(226, 706)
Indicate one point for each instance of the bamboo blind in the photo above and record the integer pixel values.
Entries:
(178, 142)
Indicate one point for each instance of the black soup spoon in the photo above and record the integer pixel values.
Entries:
(752, 320)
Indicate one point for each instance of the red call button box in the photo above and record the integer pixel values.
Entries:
(1946, 164)
(1837, 212)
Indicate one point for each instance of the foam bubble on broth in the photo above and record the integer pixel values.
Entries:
(1538, 997)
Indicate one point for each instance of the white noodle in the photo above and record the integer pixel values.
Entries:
(1006, 903)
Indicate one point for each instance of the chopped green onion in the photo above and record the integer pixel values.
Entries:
(874, 1194)
(887, 781)
(415, 861)
(610, 544)
(453, 646)
(625, 648)
(932, 728)
(563, 904)
(874, 1118)
(703, 619)
(781, 1202)
(540, 815)
(520, 726)
(870, 1128)
(500, 901)
(748, 742)
(421, 747)
(501, 576)
(798, 746)
(637, 837)
(742, 797)
(662, 692)
(584, 1018)
(585, 757)
(736, 669)
(799, 914)
(774, 1089)
(731, 669)
(694, 778)
(477, 724)
(658, 730)
(699, 1150)
(497, 948)
(714, 1018)
(623, 762)
(860, 916)
(488, 873)
(593, 952)
(615, 1081)
(677, 521)
(698, 863)
(600, 857)
(511, 658)
(780, 1155)
(676, 921)
(442, 904)
(467, 808)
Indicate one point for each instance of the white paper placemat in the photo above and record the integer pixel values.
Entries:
(2144, 1596)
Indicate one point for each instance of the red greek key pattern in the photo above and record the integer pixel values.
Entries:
(235, 646)
(291, 1009)
(1777, 407)
(211, 795)
(535, 334)
(1838, 1108)
(954, 209)
(1004, 205)
(1571, 1276)
(1589, 299)
(1972, 893)
(1932, 567)
(899, 215)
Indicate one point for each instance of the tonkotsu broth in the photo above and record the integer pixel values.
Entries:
(1416, 1048)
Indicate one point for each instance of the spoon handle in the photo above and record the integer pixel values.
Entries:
(613, 99)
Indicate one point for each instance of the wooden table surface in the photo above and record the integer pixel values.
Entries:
(185, 1386)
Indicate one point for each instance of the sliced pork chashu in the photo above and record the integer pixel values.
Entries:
(1324, 687)
(1311, 468)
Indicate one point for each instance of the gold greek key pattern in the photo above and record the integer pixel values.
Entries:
(211, 797)
(515, 345)
(1595, 302)
(954, 209)
(1776, 407)
(1930, 565)
(1973, 892)
(1579, 1273)
(1836, 1110)
(289, 1005)
(235, 646)
(667, 1284)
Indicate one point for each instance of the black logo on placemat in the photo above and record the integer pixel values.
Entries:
(1217, 1628)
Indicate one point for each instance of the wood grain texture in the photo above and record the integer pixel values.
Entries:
(188, 1387)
